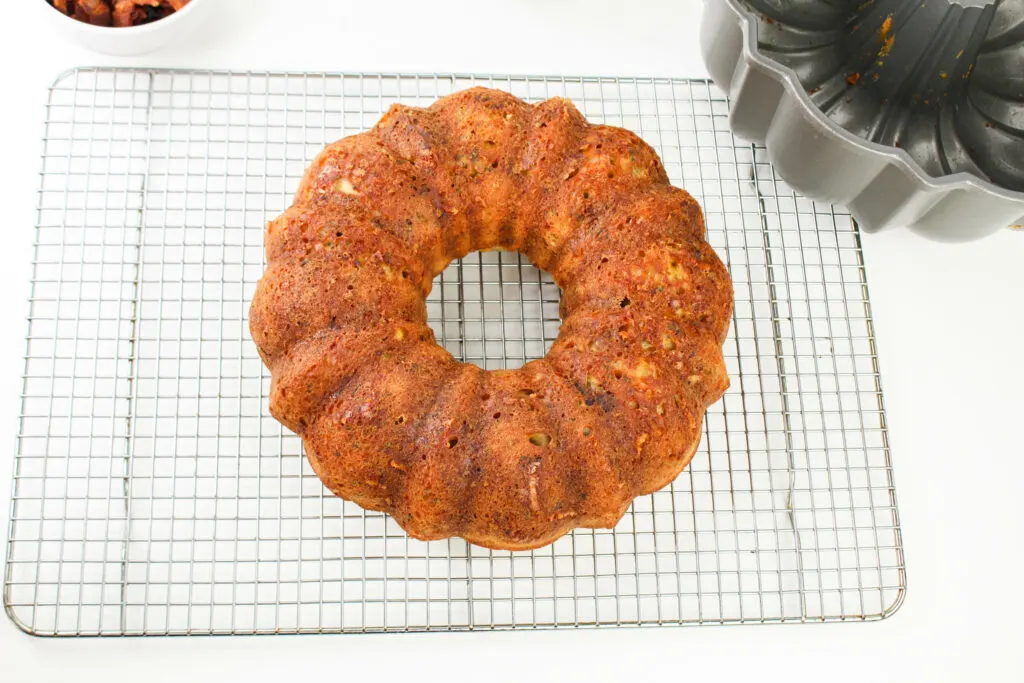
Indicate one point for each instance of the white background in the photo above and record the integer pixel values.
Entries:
(949, 320)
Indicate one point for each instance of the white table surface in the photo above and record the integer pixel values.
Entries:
(949, 320)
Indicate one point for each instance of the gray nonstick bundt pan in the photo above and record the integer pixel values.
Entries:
(910, 112)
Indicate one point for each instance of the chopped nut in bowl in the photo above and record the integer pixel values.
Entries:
(122, 27)
(120, 13)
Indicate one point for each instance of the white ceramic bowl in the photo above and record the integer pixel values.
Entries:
(129, 41)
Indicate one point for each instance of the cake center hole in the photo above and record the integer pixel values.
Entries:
(495, 310)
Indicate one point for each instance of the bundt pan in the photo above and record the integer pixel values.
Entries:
(910, 112)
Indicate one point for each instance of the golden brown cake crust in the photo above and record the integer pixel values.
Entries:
(507, 459)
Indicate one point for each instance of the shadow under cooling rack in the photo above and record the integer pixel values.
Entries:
(154, 494)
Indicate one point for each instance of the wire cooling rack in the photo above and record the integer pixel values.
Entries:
(154, 494)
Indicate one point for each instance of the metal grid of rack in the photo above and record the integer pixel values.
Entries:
(154, 494)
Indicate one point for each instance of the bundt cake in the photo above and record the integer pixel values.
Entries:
(508, 459)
